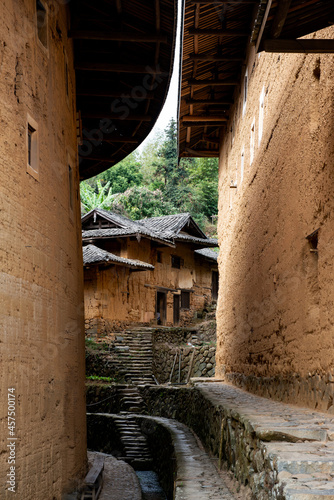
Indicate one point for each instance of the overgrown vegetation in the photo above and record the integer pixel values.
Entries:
(153, 183)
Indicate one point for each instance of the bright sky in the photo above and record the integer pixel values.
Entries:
(170, 107)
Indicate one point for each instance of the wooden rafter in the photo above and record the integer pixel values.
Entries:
(117, 36)
(280, 17)
(210, 102)
(214, 32)
(206, 118)
(214, 58)
(215, 83)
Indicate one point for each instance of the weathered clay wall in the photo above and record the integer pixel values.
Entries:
(41, 339)
(116, 296)
(275, 309)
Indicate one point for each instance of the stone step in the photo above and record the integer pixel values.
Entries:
(316, 494)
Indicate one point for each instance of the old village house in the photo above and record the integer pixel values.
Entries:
(158, 270)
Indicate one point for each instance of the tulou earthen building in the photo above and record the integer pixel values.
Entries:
(257, 92)
(81, 86)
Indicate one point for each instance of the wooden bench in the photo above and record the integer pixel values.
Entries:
(93, 481)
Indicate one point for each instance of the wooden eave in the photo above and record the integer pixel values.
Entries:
(216, 36)
(123, 56)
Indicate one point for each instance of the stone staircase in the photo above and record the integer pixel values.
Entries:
(136, 450)
(134, 352)
(131, 400)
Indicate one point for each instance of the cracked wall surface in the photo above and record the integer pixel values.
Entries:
(41, 296)
(275, 309)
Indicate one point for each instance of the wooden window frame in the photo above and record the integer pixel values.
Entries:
(32, 144)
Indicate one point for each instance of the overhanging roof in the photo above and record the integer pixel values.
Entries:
(123, 60)
(93, 255)
(215, 40)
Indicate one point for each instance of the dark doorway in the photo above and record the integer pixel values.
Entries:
(161, 307)
(176, 310)
(215, 285)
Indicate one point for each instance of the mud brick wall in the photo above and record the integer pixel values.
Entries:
(275, 308)
(41, 332)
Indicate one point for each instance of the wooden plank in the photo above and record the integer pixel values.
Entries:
(280, 18)
(117, 36)
(263, 25)
(214, 57)
(209, 102)
(203, 153)
(212, 32)
(222, 2)
(213, 140)
(95, 471)
(203, 124)
(117, 68)
(194, 82)
(205, 118)
(299, 46)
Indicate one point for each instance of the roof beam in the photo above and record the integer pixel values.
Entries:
(202, 124)
(213, 140)
(211, 32)
(193, 82)
(210, 102)
(204, 118)
(280, 17)
(101, 115)
(202, 153)
(117, 36)
(222, 2)
(116, 68)
(300, 46)
(214, 57)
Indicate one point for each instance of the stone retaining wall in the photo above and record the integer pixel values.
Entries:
(169, 344)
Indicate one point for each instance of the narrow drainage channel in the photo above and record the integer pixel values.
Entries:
(150, 485)
(145, 445)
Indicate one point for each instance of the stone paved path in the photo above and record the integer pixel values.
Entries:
(197, 477)
(298, 443)
(119, 480)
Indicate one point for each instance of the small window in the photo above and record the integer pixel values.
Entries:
(159, 257)
(185, 300)
(42, 23)
(32, 147)
(70, 186)
(176, 261)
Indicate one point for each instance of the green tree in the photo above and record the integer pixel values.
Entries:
(91, 199)
(124, 175)
(140, 202)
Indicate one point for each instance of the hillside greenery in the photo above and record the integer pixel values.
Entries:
(153, 183)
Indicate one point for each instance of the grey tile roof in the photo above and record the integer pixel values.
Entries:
(208, 253)
(95, 255)
(201, 241)
(173, 224)
(166, 229)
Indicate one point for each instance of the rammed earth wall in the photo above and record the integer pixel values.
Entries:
(275, 308)
(42, 337)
